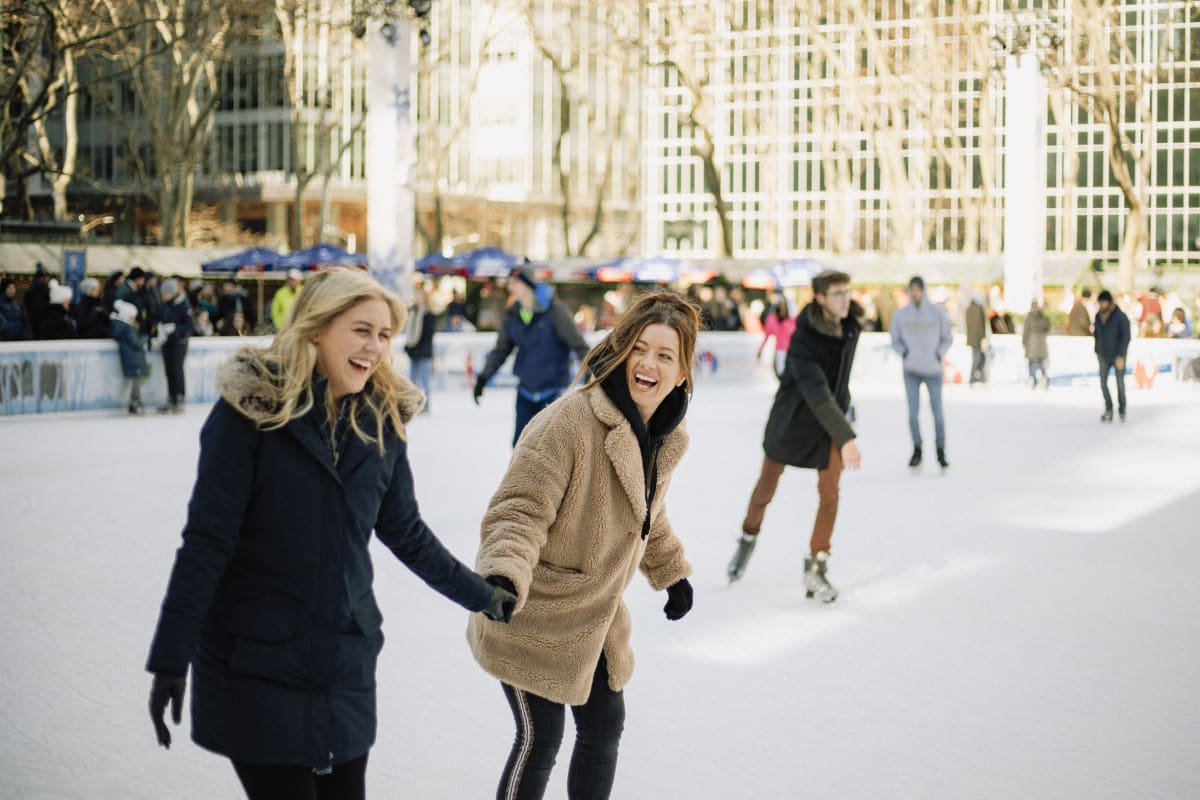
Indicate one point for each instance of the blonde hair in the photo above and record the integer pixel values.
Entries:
(663, 307)
(292, 357)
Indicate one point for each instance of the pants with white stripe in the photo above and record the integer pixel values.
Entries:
(598, 726)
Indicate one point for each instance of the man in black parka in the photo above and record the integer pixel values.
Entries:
(807, 426)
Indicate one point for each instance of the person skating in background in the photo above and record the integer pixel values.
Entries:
(37, 297)
(284, 297)
(540, 328)
(921, 335)
(1180, 327)
(91, 320)
(580, 510)
(1034, 335)
(1112, 346)
(977, 338)
(419, 330)
(807, 426)
(174, 330)
(56, 321)
(270, 602)
(14, 320)
(123, 325)
(111, 284)
(1079, 320)
(778, 324)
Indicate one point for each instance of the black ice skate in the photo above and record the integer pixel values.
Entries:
(915, 461)
(741, 557)
(1106, 416)
(941, 457)
(815, 583)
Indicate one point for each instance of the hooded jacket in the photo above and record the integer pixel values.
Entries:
(1112, 333)
(810, 406)
(543, 345)
(1033, 335)
(566, 527)
(270, 600)
(921, 335)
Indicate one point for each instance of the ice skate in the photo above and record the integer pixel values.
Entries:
(915, 461)
(1106, 416)
(816, 585)
(741, 557)
(941, 458)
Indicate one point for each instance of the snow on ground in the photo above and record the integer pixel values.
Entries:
(1022, 626)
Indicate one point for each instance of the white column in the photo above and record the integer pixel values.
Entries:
(1024, 181)
(390, 157)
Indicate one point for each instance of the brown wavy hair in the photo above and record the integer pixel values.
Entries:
(663, 307)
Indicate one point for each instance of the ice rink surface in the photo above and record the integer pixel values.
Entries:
(1026, 625)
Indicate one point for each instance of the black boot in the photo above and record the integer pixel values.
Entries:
(915, 461)
(941, 456)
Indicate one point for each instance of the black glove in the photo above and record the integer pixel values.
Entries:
(480, 382)
(166, 686)
(679, 599)
(504, 599)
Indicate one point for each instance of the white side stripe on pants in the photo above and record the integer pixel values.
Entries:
(526, 733)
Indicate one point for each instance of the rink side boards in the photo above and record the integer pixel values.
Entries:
(51, 376)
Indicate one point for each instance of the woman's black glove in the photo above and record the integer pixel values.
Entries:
(504, 599)
(166, 687)
(679, 599)
(480, 383)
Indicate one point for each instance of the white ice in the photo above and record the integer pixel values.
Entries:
(1024, 626)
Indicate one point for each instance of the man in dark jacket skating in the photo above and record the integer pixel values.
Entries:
(541, 330)
(1111, 328)
(807, 426)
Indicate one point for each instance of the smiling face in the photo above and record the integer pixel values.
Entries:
(354, 345)
(653, 369)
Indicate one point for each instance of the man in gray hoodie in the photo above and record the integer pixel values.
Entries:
(921, 335)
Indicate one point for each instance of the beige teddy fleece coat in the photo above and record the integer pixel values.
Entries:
(565, 527)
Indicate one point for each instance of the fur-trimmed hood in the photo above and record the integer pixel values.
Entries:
(248, 385)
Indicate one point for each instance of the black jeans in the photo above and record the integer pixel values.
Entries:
(978, 365)
(1107, 363)
(173, 353)
(598, 726)
(275, 782)
(526, 409)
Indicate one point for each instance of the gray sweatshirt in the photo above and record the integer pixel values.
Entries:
(921, 334)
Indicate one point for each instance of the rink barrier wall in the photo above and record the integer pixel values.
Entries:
(85, 375)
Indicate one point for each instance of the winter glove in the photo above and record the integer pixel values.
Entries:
(480, 382)
(504, 599)
(679, 599)
(166, 687)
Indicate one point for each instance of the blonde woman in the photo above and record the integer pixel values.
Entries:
(579, 511)
(270, 600)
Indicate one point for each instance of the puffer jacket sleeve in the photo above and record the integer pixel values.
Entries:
(228, 443)
(518, 520)
(663, 563)
(400, 527)
(813, 386)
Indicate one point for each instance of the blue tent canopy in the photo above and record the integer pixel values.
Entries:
(785, 274)
(650, 269)
(320, 255)
(254, 257)
(484, 262)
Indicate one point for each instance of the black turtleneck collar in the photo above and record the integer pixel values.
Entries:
(666, 417)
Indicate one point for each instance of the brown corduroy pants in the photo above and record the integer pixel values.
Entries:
(828, 480)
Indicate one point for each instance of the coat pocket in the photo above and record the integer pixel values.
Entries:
(552, 584)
